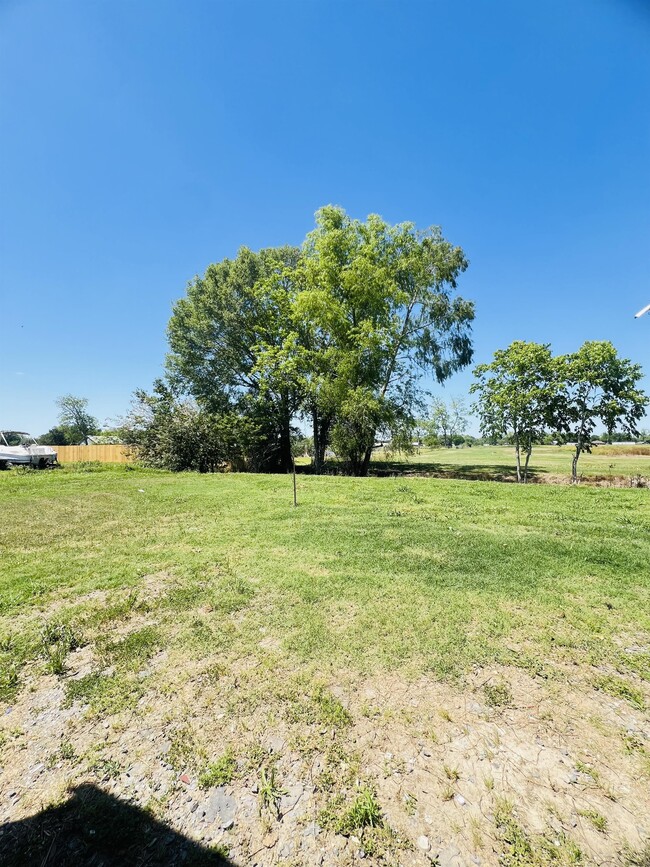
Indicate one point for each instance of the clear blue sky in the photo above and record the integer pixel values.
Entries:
(141, 140)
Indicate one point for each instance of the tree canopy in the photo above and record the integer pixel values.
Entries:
(517, 395)
(340, 332)
(598, 387)
(75, 418)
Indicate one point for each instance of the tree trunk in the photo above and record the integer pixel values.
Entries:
(286, 458)
(574, 465)
(528, 452)
(365, 463)
(321, 428)
(518, 457)
(316, 431)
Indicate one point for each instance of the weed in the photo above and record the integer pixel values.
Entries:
(256, 755)
(410, 804)
(498, 694)
(133, 650)
(364, 812)
(106, 769)
(597, 820)
(220, 772)
(331, 711)
(9, 682)
(269, 792)
(638, 858)
(55, 656)
(106, 694)
(65, 753)
(519, 851)
(448, 792)
(184, 752)
(620, 688)
(444, 713)
(477, 837)
(632, 743)
(583, 768)
(452, 774)
(489, 783)
(57, 640)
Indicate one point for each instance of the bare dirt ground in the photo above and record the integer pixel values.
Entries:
(502, 769)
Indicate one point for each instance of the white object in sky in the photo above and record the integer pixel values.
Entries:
(641, 312)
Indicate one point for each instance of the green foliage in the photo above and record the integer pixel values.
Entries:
(498, 694)
(597, 819)
(133, 650)
(339, 332)
(231, 340)
(330, 709)
(219, 773)
(598, 387)
(59, 435)
(620, 688)
(517, 395)
(376, 312)
(57, 640)
(446, 423)
(638, 858)
(74, 415)
(365, 812)
(523, 850)
(270, 793)
(173, 433)
(106, 694)
(106, 768)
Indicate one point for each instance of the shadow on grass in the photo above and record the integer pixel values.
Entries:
(473, 472)
(495, 472)
(94, 828)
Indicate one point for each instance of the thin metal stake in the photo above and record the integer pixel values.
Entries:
(295, 495)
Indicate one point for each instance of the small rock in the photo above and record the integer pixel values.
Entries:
(227, 825)
(270, 839)
(459, 800)
(194, 807)
(184, 779)
(573, 778)
(423, 843)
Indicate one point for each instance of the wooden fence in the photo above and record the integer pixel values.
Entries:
(105, 454)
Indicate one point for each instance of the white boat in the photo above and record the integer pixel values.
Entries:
(18, 447)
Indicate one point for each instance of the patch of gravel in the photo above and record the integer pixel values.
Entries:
(438, 758)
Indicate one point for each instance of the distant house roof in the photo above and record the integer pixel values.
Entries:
(101, 441)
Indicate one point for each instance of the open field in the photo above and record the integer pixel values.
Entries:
(417, 670)
(548, 463)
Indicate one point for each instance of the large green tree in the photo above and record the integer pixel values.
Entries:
(598, 387)
(517, 397)
(74, 416)
(223, 336)
(376, 311)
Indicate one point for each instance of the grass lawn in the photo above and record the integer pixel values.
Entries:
(499, 461)
(419, 619)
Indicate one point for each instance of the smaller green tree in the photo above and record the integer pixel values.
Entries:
(517, 394)
(598, 387)
(59, 435)
(446, 423)
(73, 414)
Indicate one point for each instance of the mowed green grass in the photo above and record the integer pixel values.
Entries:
(493, 461)
(366, 574)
